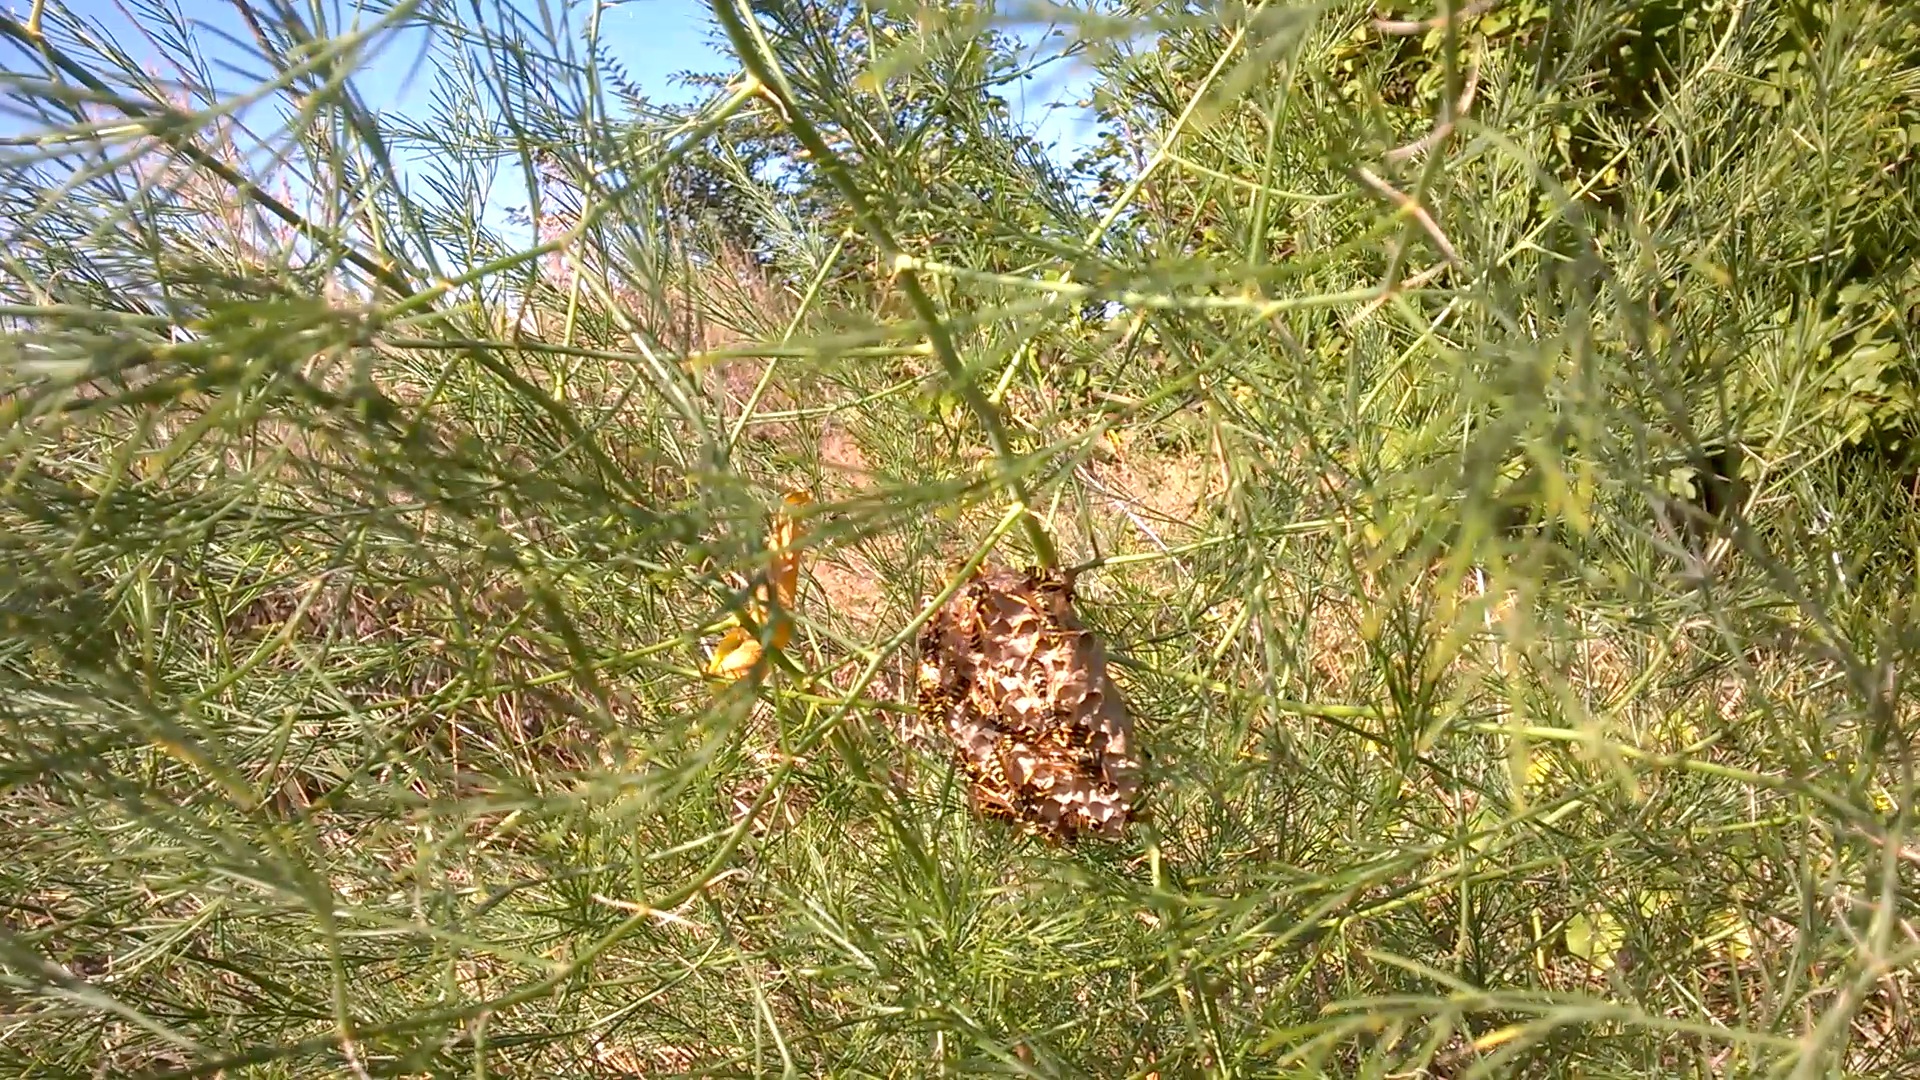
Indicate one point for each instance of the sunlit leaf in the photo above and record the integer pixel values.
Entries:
(1595, 937)
(735, 655)
(739, 650)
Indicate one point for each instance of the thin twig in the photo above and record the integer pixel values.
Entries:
(1414, 282)
(672, 918)
(1449, 119)
(1412, 209)
(1125, 507)
(1407, 28)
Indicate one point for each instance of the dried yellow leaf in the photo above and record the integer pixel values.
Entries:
(739, 650)
(786, 561)
(1501, 1035)
(735, 655)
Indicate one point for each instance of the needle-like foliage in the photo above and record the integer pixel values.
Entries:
(1482, 434)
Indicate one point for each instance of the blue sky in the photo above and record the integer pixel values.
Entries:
(651, 39)
(654, 39)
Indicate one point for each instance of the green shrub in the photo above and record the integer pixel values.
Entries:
(1487, 444)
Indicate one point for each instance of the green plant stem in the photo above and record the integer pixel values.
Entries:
(757, 55)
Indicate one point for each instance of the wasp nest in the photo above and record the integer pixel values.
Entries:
(1022, 689)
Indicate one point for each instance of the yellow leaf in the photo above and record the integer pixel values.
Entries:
(786, 560)
(1728, 930)
(1540, 769)
(736, 654)
(1595, 938)
(1501, 1035)
(739, 650)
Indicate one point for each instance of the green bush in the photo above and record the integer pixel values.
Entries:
(1486, 436)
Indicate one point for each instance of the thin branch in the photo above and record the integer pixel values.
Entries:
(1414, 282)
(1408, 28)
(1412, 209)
(1449, 119)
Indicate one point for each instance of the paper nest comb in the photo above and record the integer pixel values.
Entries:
(1022, 689)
